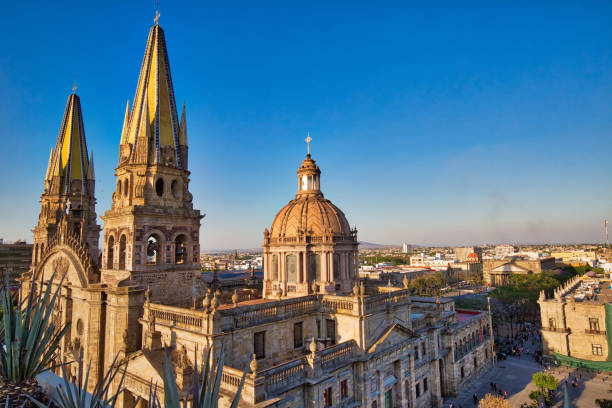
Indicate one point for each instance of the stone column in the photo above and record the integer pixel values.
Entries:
(324, 264)
(305, 268)
(95, 336)
(330, 272)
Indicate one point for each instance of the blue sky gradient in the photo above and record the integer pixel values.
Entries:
(439, 124)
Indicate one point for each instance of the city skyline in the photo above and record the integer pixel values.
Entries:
(437, 174)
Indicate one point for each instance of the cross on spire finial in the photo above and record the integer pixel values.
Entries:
(308, 140)
(156, 19)
(74, 87)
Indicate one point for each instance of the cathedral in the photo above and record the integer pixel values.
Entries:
(312, 335)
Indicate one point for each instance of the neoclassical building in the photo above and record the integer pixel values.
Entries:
(313, 336)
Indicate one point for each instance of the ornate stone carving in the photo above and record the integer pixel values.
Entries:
(253, 364)
(167, 156)
(313, 346)
(60, 267)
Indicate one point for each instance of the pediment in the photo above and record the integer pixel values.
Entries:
(510, 267)
(393, 335)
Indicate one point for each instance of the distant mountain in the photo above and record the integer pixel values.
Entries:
(372, 245)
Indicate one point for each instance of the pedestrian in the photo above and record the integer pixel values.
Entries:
(506, 394)
(475, 398)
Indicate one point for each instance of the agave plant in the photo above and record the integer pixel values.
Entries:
(29, 340)
(205, 388)
(75, 395)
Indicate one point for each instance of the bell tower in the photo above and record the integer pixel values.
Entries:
(68, 199)
(151, 232)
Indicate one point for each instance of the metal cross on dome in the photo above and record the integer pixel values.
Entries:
(308, 140)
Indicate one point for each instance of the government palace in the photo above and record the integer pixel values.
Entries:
(312, 334)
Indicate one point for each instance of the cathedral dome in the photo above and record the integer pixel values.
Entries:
(309, 213)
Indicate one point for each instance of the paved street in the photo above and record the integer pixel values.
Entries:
(514, 375)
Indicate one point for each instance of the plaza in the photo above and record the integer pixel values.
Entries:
(514, 375)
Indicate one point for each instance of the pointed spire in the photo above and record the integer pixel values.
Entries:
(183, 128)
(126, 122)
(57, 167)
(69, 159)
(155, 91)
(49, 165)
(90, 170)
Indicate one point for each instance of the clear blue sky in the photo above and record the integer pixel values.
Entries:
(432, 124)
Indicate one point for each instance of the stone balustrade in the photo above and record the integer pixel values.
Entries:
(242, 316)
(230, 379)
(333, 356)
(245, 316)
(338, 304)
(378, 302)
(312, 240)
(176, 316)
(284, 375)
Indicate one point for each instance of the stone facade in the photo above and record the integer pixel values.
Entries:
(575, 326)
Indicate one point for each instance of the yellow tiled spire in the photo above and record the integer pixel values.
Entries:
(69, 161)
(155, 94)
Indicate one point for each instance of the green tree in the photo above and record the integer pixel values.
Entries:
(547, 382)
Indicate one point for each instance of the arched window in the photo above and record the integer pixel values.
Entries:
(337, 267)
(175, 188)
(125, 187)
(314, 268)
(35, 254)
(159, 186)
(153, 249)
(110, 252)
(291, 268)
(274, 267)
(122, 244)
(119, 187)
(180, 250)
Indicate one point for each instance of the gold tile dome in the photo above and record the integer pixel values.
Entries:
(310, 213)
